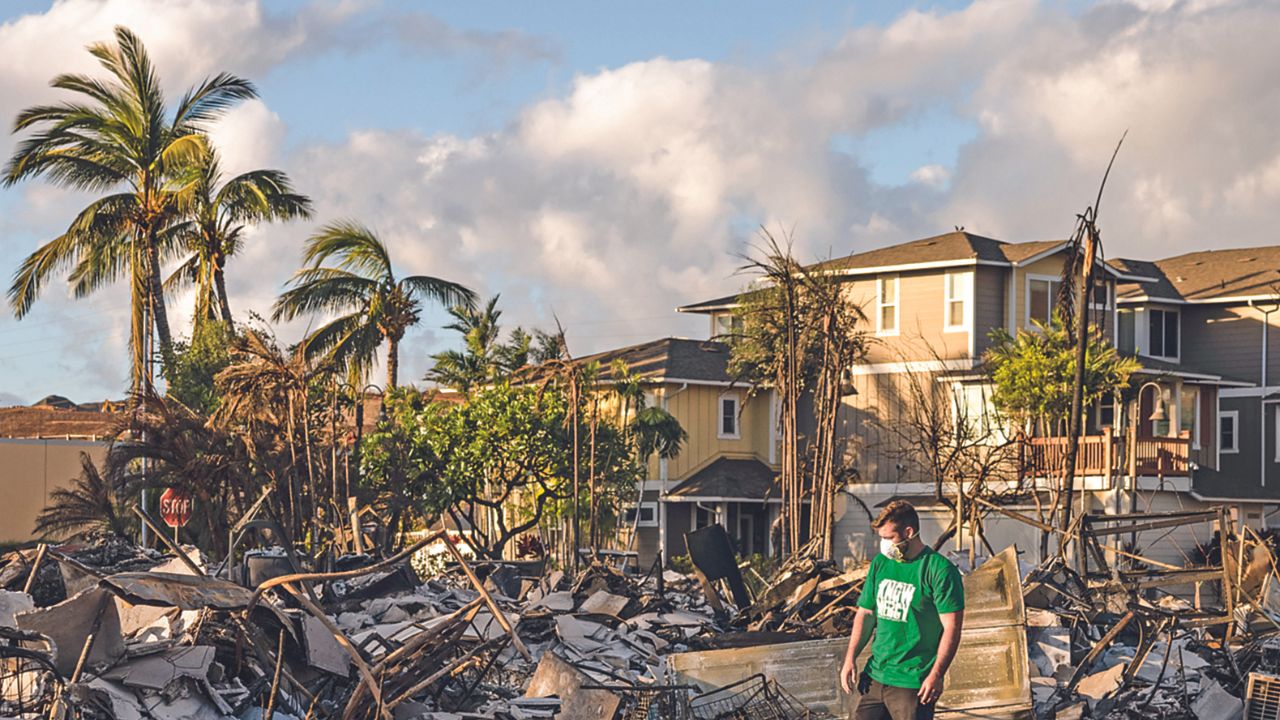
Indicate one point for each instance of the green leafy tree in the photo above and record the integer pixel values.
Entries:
(500, 463)
(376, 305)
(197, 362)
(116, 136)
(218, 212)
(1033, 372)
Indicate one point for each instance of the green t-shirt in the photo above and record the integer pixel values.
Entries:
(907, 598)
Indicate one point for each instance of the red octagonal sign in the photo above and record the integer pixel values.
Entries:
(175, 507)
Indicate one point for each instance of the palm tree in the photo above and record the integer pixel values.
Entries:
(363, 285)
(218, 213)
(89, 503)
(476, 363)
(116, 136)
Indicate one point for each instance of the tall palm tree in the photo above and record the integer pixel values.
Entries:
(116, 136)
(213, 231)
(378, 306)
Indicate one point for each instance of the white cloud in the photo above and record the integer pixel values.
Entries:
(632, 191)
(933, 175)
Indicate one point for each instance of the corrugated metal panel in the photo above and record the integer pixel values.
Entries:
(989, 677)
(808, 670)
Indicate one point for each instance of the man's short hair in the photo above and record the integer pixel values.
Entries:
(900, 513)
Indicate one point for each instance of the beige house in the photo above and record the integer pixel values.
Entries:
(1208, 423)
(727, 467)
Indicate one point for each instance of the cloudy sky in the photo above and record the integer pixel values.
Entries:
(605, 162)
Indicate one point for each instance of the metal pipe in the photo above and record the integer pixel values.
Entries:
(662, 489)
(1262, 389)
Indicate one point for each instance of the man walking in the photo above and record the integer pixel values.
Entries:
(913, 600)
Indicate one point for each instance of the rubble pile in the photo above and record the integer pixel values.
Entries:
(172, 641)
(106, 630)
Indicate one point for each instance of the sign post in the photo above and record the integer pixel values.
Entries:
(175, 509)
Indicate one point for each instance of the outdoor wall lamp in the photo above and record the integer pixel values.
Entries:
(1157, 413)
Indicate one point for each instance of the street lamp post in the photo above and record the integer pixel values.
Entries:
(1157, 414)
(382, 415)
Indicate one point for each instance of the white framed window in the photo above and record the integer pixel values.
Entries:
(648, 515)
(956, 308)
(727, 418)
(1105, 411)
(1189, 413)
(1042, 294)
(1101, 298)
(725, 327)
(1228, 431)
(887, 305)
(973, 414)
(1277, 433)
(1162, 334)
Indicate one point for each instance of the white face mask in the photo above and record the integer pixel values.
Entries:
(891, 550)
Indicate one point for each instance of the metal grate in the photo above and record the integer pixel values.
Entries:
(1262, 697)
(755, 698)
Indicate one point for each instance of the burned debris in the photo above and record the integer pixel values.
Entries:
(160, 636)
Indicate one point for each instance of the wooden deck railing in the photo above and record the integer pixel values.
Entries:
(1104, 455)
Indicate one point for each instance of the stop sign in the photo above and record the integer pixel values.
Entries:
(175, 507)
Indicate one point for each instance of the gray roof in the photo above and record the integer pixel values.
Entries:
(1208, 275)
(726, 477)
(957, 247)
(664, 359)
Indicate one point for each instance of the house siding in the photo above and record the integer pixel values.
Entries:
(991, 305)
(921, 314)
(880, 404)
(697, 408)
(1227, 341)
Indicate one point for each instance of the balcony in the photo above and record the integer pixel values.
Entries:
(1103, 455)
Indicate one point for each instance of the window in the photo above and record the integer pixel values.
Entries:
(1163, 334)
(648, 515)
(1041, 296)
(728, 427)
(1165, 427)
(974, 417)
(726, 326)
(959, 290)
(887, 305)
(1278, 433)
(1106, 408)
(1189, 414)
(1101, 296)
(1228, 429)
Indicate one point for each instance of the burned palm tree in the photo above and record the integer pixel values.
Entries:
(176, 447)
(91, 503)
(266, 408)
(1073, 294)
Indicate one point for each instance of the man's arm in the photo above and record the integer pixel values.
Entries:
(863, 623)
(952, 624)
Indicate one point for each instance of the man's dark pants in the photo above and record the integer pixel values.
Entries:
(885, 702)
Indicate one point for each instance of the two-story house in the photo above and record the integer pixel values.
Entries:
(727, 468)
(932, 304)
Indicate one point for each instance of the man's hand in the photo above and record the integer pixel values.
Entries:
(849, 675)
(931, 689)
